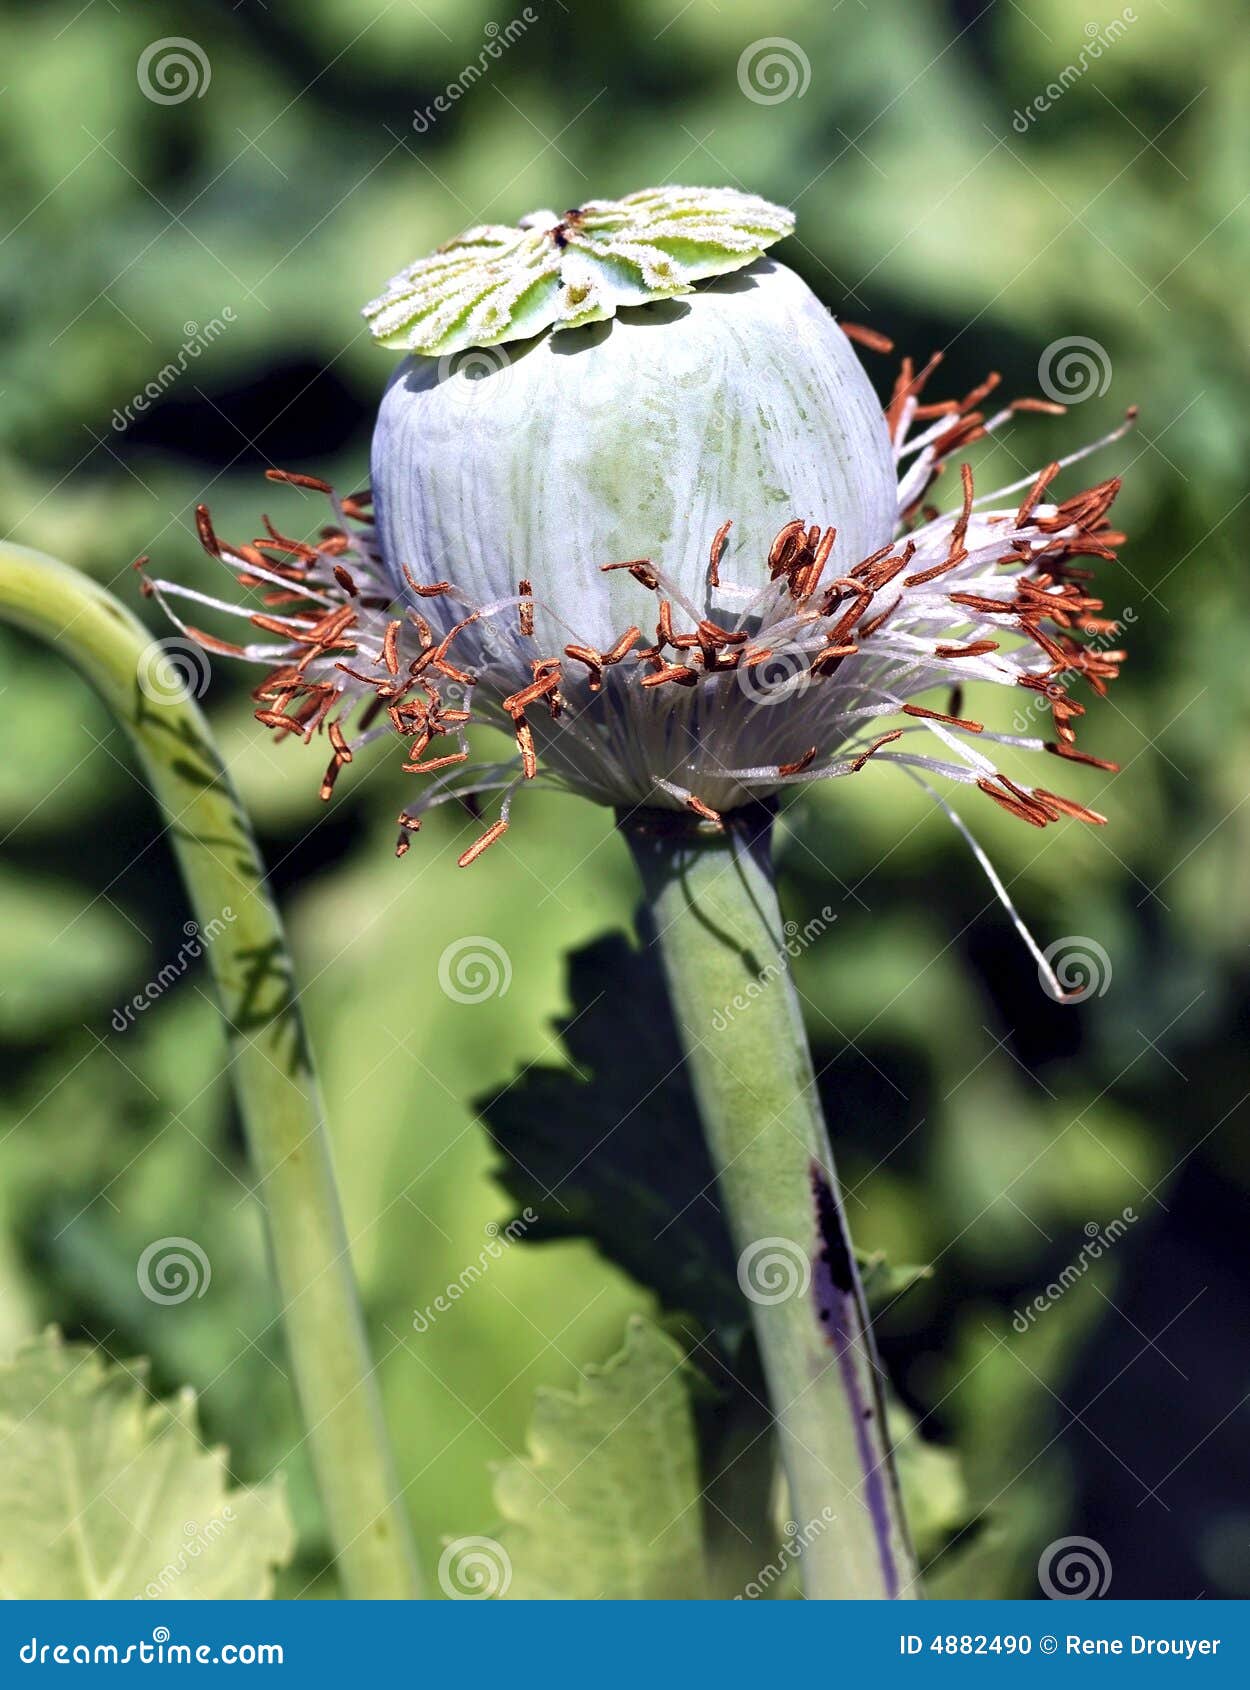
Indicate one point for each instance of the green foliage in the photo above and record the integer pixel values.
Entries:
(645, 1193)
(921, 210)
(108, 1492)
(606, 1500)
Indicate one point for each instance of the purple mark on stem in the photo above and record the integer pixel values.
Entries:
(837, 1300)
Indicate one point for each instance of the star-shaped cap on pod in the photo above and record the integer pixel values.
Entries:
(496, 283)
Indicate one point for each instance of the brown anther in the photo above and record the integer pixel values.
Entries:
(986, 606)
(704, 810)
(941, 716)
(870, 627)
(313, 483)
(434, 763)
(908, 386)
(493, 832)
(342, 750)
(591, 658)
(1075, 756)
(204, 528)
(210, 642)
(1048, 407)
(1034, 496)
(681, 673)
(278, 541)
(717, 552)
(525, 744)
(641, 568)
(525, 610)
(516, 702)
(626, 643)
(390, 646)
(807, 576)
(782, 552)
(829, 656)
(883, 739)
(274, 719)
(799, 764)
(1030, 800)
(432, 591)
(1068, 807)
(344, 579)
(331, 775)
(871, 338)
(1013, 806)
(978, 648)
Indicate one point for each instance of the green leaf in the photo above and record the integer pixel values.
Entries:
(884, 1283)
(607, 1501)
(610, 1148)
(615, 1140)
(934, 1493)
(107, 1492)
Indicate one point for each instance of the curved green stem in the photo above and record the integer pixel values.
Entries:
(270, 1066)
(712, 898)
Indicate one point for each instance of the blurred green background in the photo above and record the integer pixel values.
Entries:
(982, 1126)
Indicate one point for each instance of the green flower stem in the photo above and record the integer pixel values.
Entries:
(270, 1066)
(713, 902)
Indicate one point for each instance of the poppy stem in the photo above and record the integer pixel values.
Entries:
(269, 1063)
(712, 897)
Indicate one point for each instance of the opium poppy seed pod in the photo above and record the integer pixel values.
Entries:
(634, 502)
